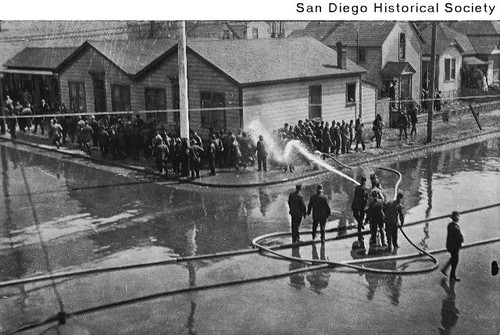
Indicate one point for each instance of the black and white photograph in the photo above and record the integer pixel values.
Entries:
(251, 176)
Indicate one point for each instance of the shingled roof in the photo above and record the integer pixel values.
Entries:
(132, 56)
(484, 44)
(445, 37)
(371, 33)
(479, 28)
(271, 60)
(395, 69)
(39, 58)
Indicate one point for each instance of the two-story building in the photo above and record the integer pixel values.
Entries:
(390, 51)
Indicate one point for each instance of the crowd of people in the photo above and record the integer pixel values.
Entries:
(320, 136)
(126, 136)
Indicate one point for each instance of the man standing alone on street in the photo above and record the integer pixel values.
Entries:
(318, 204)
(261, 154)
(454, 241)
(297, 211)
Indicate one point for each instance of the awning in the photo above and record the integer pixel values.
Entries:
(397, 69)
(474, 61)
(32, 72)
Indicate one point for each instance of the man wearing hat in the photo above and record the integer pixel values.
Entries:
(454, 241)
(261, 154)
(318, 204)
(297, 211)
(394, 215)
(361, 193)
(375, 217)
(195, 153)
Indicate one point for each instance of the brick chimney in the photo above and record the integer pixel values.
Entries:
(341, 56)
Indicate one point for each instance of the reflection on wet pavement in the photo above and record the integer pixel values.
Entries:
(93, 218)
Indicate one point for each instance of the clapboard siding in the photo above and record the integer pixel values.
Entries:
(273, 105)
(369, 94)
(450, 88)
(390, 53)
(203, 77)
(91, 61)
(372, 65)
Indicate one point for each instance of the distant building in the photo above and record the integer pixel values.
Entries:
(485, 39)
(452, 49)
(390, 51)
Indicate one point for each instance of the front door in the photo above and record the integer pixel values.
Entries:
(99, 92)
(405, 93)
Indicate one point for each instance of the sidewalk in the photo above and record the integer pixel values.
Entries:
(458, 129)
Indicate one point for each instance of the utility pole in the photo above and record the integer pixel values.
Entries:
(183, 81)
(431, 84)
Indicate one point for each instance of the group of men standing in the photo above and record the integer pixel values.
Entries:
(379, 212)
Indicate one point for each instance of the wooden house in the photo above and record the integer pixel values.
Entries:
(452, 47)
(390, 51)
(485, 39)
(32, 75)
(230, 82)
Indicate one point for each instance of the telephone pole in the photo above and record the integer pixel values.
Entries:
(431, 84)
(183, 82)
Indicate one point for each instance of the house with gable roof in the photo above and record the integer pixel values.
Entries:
(485, 39)
(390, 51)
(107, 76)
(452, 50)
(35, 71)
(230, 82)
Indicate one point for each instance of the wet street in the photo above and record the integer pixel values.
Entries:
(59, 213)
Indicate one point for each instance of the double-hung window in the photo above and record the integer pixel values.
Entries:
(215, 118)
(77, 96)
(120, 98)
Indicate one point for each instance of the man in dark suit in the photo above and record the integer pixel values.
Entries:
(361, 193)
(318, 204)
(375, 217)
(454, 241)
(261, 154)
(394, 216)
(297, 207)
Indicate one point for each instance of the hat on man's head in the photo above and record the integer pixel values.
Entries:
(455, 214)
(319, 187)
(298, 187)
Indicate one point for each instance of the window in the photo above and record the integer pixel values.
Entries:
(350, 94)
(156, 99)
(213, 118)
(77, 96)
(361, 54)
(226, 35)
(120, 98)
(402, 46)
(255, 33)
(449, 69)
(315, 93)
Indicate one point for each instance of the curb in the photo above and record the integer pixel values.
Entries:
(419, 150)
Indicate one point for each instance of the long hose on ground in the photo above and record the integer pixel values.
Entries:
(350, 264)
